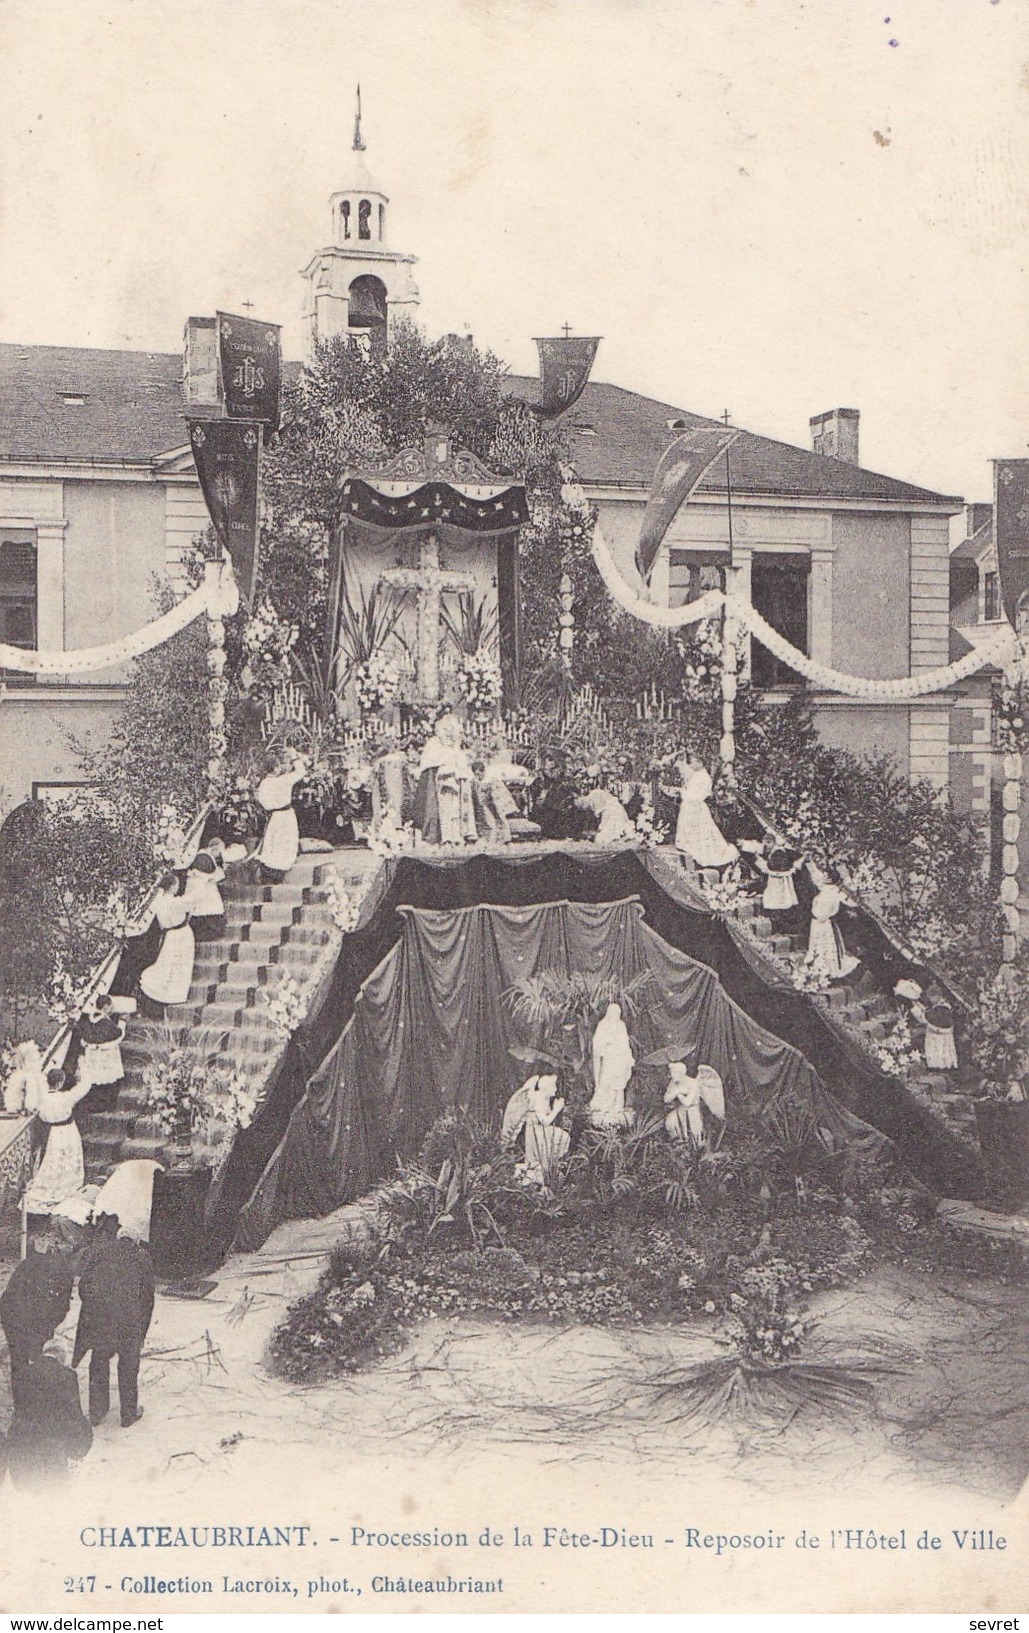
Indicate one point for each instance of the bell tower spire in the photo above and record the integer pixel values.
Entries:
(358, 138)
(357, 286)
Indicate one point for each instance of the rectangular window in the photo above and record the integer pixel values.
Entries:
(18, 596)
(779, 592)
(691, 573)
(992, 609)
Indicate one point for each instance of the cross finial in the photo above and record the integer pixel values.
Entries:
(248, 306)
(358, 138)
(724, 416)
(566, 329)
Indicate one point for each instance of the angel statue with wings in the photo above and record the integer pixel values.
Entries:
(686, 1097)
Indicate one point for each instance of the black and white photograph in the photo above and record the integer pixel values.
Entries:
(514, 730)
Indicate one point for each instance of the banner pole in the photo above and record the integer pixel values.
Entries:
(1016, 677)
(730, 636)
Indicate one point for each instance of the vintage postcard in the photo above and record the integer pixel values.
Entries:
(514, 669)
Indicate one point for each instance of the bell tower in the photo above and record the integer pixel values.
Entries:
(357, 286)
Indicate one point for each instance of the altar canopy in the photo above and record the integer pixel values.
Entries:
(429, 523)
(430, 1033)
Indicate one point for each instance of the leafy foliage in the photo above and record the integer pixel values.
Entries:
(895, 842)
(996, 1038)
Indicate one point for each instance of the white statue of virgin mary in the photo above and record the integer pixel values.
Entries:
(613, 1063)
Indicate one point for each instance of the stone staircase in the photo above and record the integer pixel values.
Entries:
(855, 1001)
(282, 929)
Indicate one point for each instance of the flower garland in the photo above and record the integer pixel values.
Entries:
(708, 605)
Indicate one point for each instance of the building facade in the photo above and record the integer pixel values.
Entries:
(99, 501)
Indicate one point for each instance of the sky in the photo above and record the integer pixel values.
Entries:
(773, 207)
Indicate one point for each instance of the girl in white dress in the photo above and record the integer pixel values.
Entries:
(101, 1035)
(280, 843)
(696, 832)
(613, 825)
(202, 895)
(61, 1173)
(168, 979)
(27, 1082)
(826, 954)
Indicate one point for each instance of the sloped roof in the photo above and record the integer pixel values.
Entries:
(628, 433)
(972, 547)
(133, 411)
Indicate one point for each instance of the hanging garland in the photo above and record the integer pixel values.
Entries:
(217, 597)
(997, 651)
(912, 686)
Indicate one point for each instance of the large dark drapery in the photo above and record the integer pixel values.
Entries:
(430, 1032)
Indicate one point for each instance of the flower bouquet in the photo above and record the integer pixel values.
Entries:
(479, 684)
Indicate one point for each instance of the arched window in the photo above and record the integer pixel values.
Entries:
(382, 222)
(364, 219)
(368, 308)
(344, 219)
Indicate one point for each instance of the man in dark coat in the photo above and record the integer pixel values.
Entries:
(116, 1289)
(48, 1428)
(35, 1302)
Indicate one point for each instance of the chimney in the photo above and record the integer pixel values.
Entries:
(836, 433)
(977, 516)
(200, 364)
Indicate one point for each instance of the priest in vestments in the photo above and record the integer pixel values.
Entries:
(444, 808)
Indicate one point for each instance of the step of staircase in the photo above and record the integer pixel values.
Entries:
(271, 931)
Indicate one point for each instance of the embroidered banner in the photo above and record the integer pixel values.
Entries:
(1011, 531)
(227, 455)
(250, 360)
(565, 364)
(434, 502)
(679, 469)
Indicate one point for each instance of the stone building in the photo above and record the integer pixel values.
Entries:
(99, 499)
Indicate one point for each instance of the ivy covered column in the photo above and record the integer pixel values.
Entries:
(731, 633)
(1013, 738)
(222, 602)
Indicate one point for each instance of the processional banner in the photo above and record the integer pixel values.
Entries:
(1011, 531)
(565, 364)
(227, 455)
(250, 361)
(678, 472)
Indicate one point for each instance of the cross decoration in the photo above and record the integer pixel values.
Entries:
(428, 582)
